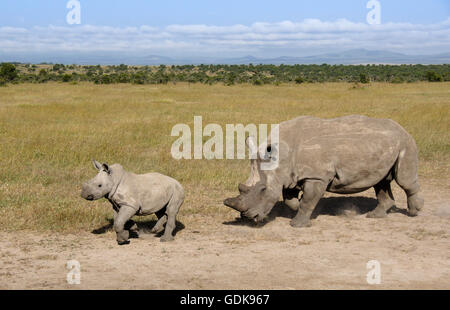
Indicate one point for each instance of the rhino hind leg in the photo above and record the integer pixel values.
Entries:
(171, 211)
(406, 178)
(162, 220)
(312, 193)
(385, 199)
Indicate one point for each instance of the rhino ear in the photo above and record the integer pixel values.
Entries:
(97, 165)
(105, 168)
(252, 148)
(253, 154)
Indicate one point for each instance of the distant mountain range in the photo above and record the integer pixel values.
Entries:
(350, 57)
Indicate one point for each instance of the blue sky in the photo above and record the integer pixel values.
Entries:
(26, 13)
(247, 27)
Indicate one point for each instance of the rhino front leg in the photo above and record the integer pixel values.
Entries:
(131, 226)
(312, 192)
(123, 216)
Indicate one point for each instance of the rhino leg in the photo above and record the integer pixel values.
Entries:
(406, 177)
(124, 215)
(130, 226)
(171, 212)
(290, 197)
(162, 219)
(312, 192)
(385, 200)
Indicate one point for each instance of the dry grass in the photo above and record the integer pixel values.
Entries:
(49, 133)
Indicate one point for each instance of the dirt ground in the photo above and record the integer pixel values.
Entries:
(215, 253)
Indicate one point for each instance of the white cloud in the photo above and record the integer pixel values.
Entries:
(282, 38)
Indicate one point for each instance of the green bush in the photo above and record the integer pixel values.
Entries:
(105, 79)
(139, 78)
(363, 78)
(66, 78)
(299, 80)
(8, 72)
(397, 80)
(434, 77)
(226, 74)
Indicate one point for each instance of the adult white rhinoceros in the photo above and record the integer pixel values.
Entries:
(343, 155)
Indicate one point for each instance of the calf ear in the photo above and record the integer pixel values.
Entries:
(105, 167)
(97, 165)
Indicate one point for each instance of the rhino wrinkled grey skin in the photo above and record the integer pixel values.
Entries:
(136, 194)
(344, 155)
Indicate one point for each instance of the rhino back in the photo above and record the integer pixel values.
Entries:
(152, 190)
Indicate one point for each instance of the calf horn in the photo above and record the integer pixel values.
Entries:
(234, 203)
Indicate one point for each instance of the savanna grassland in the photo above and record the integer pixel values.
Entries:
(49, 133)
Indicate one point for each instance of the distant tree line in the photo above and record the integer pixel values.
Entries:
(226, 74)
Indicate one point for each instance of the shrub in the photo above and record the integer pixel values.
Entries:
(139, 78)
(124, 78)
(363, 78)
(257, 82)
(397, 80)
(105, 79)
(299, 80)
(8, 72)
(66, 78)
(58, 67)
(434, 77)
(43, 76)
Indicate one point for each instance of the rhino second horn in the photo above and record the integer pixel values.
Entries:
(243, 188)
(234, 203)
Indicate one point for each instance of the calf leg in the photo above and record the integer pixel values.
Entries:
(385, 200)
(123, 216)
(162, 219)
(312, 192)
(171, 212)
(130, 225)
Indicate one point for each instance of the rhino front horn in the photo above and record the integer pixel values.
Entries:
(234, 203)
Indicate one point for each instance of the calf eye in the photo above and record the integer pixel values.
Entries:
(99, 185)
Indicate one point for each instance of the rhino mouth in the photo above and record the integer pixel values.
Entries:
(253, 214)
(256, 217)
(89, 197)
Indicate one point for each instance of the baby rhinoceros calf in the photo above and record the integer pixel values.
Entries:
(136, 194)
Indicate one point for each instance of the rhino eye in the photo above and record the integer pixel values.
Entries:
(99, 185)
